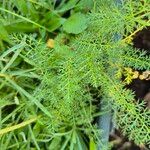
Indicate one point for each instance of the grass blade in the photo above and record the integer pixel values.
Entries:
(11, 60)
(12, 49)
(20, 125)
(25, 19)
(30, 97)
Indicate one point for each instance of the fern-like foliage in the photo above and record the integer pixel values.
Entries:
(92, 59)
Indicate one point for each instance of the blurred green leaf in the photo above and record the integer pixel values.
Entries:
(92, 144)
(4, 34)
(21, 27)
(84, 5)
(80, 142)
(55, 144)
(37, 129)
(52, 21)
(26, 8)
(22, 6)
(76, 24)
(67, 6)
(55, 23)
(16, 62)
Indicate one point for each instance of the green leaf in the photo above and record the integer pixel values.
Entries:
(22, 6)
(12, 59)
(26, 8)
(3, 33)
(52, 21)
(80, 142)
(1, 44)
(64, 145)
(55, 144)
(76, 24)
(55, 23)
(21, 27)
(37, 129)
(84, 5)
(71, 4)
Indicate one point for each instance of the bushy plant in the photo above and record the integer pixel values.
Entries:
(54, 84)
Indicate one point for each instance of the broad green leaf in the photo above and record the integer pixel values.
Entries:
(76, 23)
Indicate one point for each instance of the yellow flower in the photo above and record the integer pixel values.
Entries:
(50, 43)
(141, 77)
(135, 75)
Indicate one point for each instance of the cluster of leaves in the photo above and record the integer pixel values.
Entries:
(21, 74)
(55, 84)
(41, 16)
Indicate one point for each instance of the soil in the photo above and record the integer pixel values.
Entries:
(141, 89)
(142, 40)
(122, 143)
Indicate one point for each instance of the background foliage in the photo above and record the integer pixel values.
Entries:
(54, 86)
